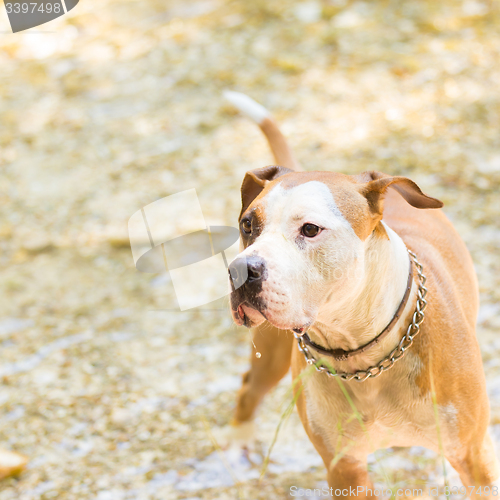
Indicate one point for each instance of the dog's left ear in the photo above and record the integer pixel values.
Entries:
(376, 184)
(255, 181)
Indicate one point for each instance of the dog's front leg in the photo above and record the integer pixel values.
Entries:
(479, 468)
(275, 348)
(348, 478)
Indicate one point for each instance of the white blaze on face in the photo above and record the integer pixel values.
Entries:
(302, 271)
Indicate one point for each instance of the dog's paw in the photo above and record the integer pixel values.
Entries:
(11, 463)
(235, 434)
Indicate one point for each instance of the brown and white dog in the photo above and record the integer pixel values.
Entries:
(327, 254)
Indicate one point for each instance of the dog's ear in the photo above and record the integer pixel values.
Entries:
(255, 181)
(375, 185)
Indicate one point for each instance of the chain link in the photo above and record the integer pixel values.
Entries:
(388, 362)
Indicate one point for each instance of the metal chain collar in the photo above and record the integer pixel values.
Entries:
(388, 362)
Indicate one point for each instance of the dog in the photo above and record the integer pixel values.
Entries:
(367, 275)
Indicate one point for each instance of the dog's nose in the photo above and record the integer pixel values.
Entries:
(238, 272)
(256, 269)
(247, 270)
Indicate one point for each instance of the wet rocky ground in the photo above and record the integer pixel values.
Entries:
(110, 390)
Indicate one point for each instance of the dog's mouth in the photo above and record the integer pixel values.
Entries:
(251, 311)
(247, 315)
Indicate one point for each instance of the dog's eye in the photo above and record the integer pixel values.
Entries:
(310, 230)
(246, 225)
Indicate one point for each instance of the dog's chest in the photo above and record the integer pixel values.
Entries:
(380, 413)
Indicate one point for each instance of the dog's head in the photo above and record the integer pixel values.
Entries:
(303, 236)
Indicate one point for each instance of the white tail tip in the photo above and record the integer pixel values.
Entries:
(247, 106)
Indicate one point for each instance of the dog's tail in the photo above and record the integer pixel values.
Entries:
(259, 114)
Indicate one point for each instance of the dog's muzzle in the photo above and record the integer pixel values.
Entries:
(247, 275)
(249, 271)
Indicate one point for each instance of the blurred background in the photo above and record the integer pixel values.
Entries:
(118, 104)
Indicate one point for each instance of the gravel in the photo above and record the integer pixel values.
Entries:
(106, 386)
